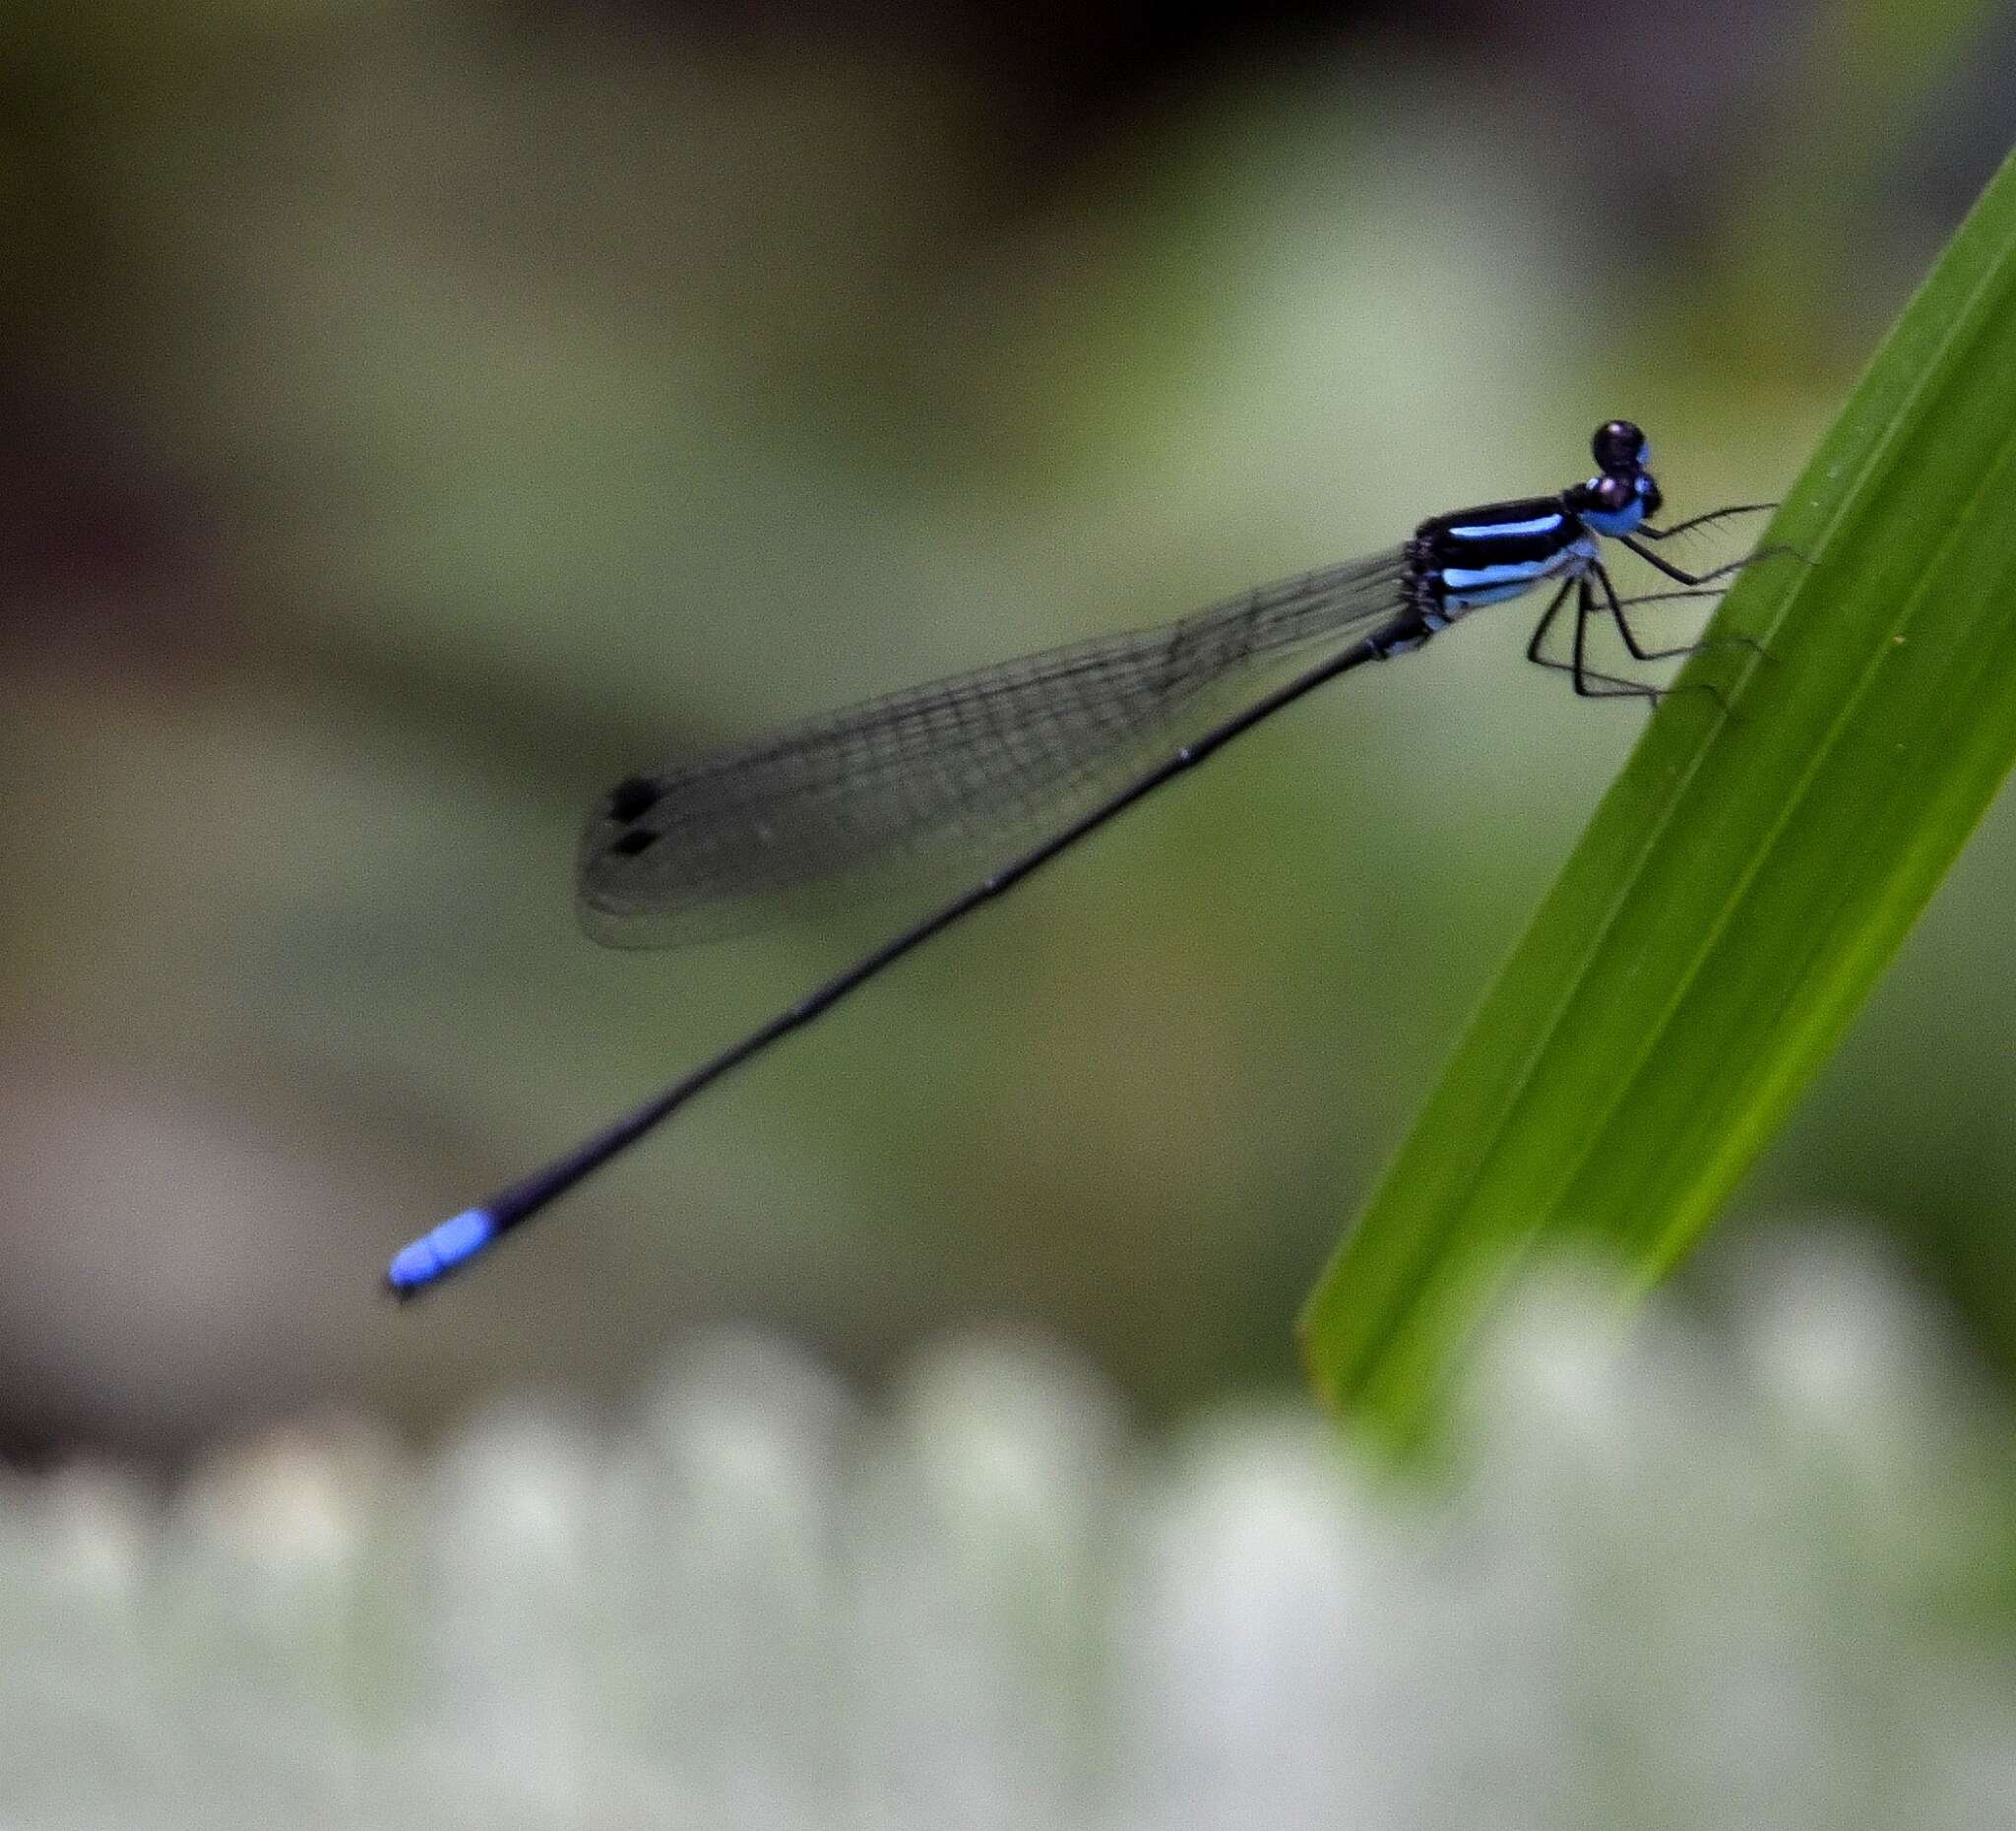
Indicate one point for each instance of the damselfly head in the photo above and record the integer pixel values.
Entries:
(1622, 493)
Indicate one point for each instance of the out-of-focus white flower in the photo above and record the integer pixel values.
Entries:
(1677, 1579)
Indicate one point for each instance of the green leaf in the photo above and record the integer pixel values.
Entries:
(1745, 879)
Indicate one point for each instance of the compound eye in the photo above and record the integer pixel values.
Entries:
(1618, 445)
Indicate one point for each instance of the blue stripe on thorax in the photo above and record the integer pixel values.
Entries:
(1491, 530)
(1519, 574)
(1465, 588)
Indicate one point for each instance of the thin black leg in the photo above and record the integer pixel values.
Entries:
(1545, 624)
(1668, 598)
(1588, 683)
(1617, 609)
(1617, 606)
(1616, 612)
(1608, 686)
(1692, 578)
(1705, 521)
(1720, 572)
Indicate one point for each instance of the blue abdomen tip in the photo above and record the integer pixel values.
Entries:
(450, 1244)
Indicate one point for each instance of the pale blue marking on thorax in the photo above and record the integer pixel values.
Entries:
(1491, 530)
(1465, 588)
(1615, 523)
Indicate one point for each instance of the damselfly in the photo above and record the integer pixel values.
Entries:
(1039, 752)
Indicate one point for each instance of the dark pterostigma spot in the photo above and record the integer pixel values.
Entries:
(634, 796)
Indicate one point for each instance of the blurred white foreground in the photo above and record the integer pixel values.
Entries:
(1679, 1581)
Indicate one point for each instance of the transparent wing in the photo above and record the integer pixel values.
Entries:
(903, 787)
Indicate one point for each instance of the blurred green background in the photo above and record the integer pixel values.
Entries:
(418, 415)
